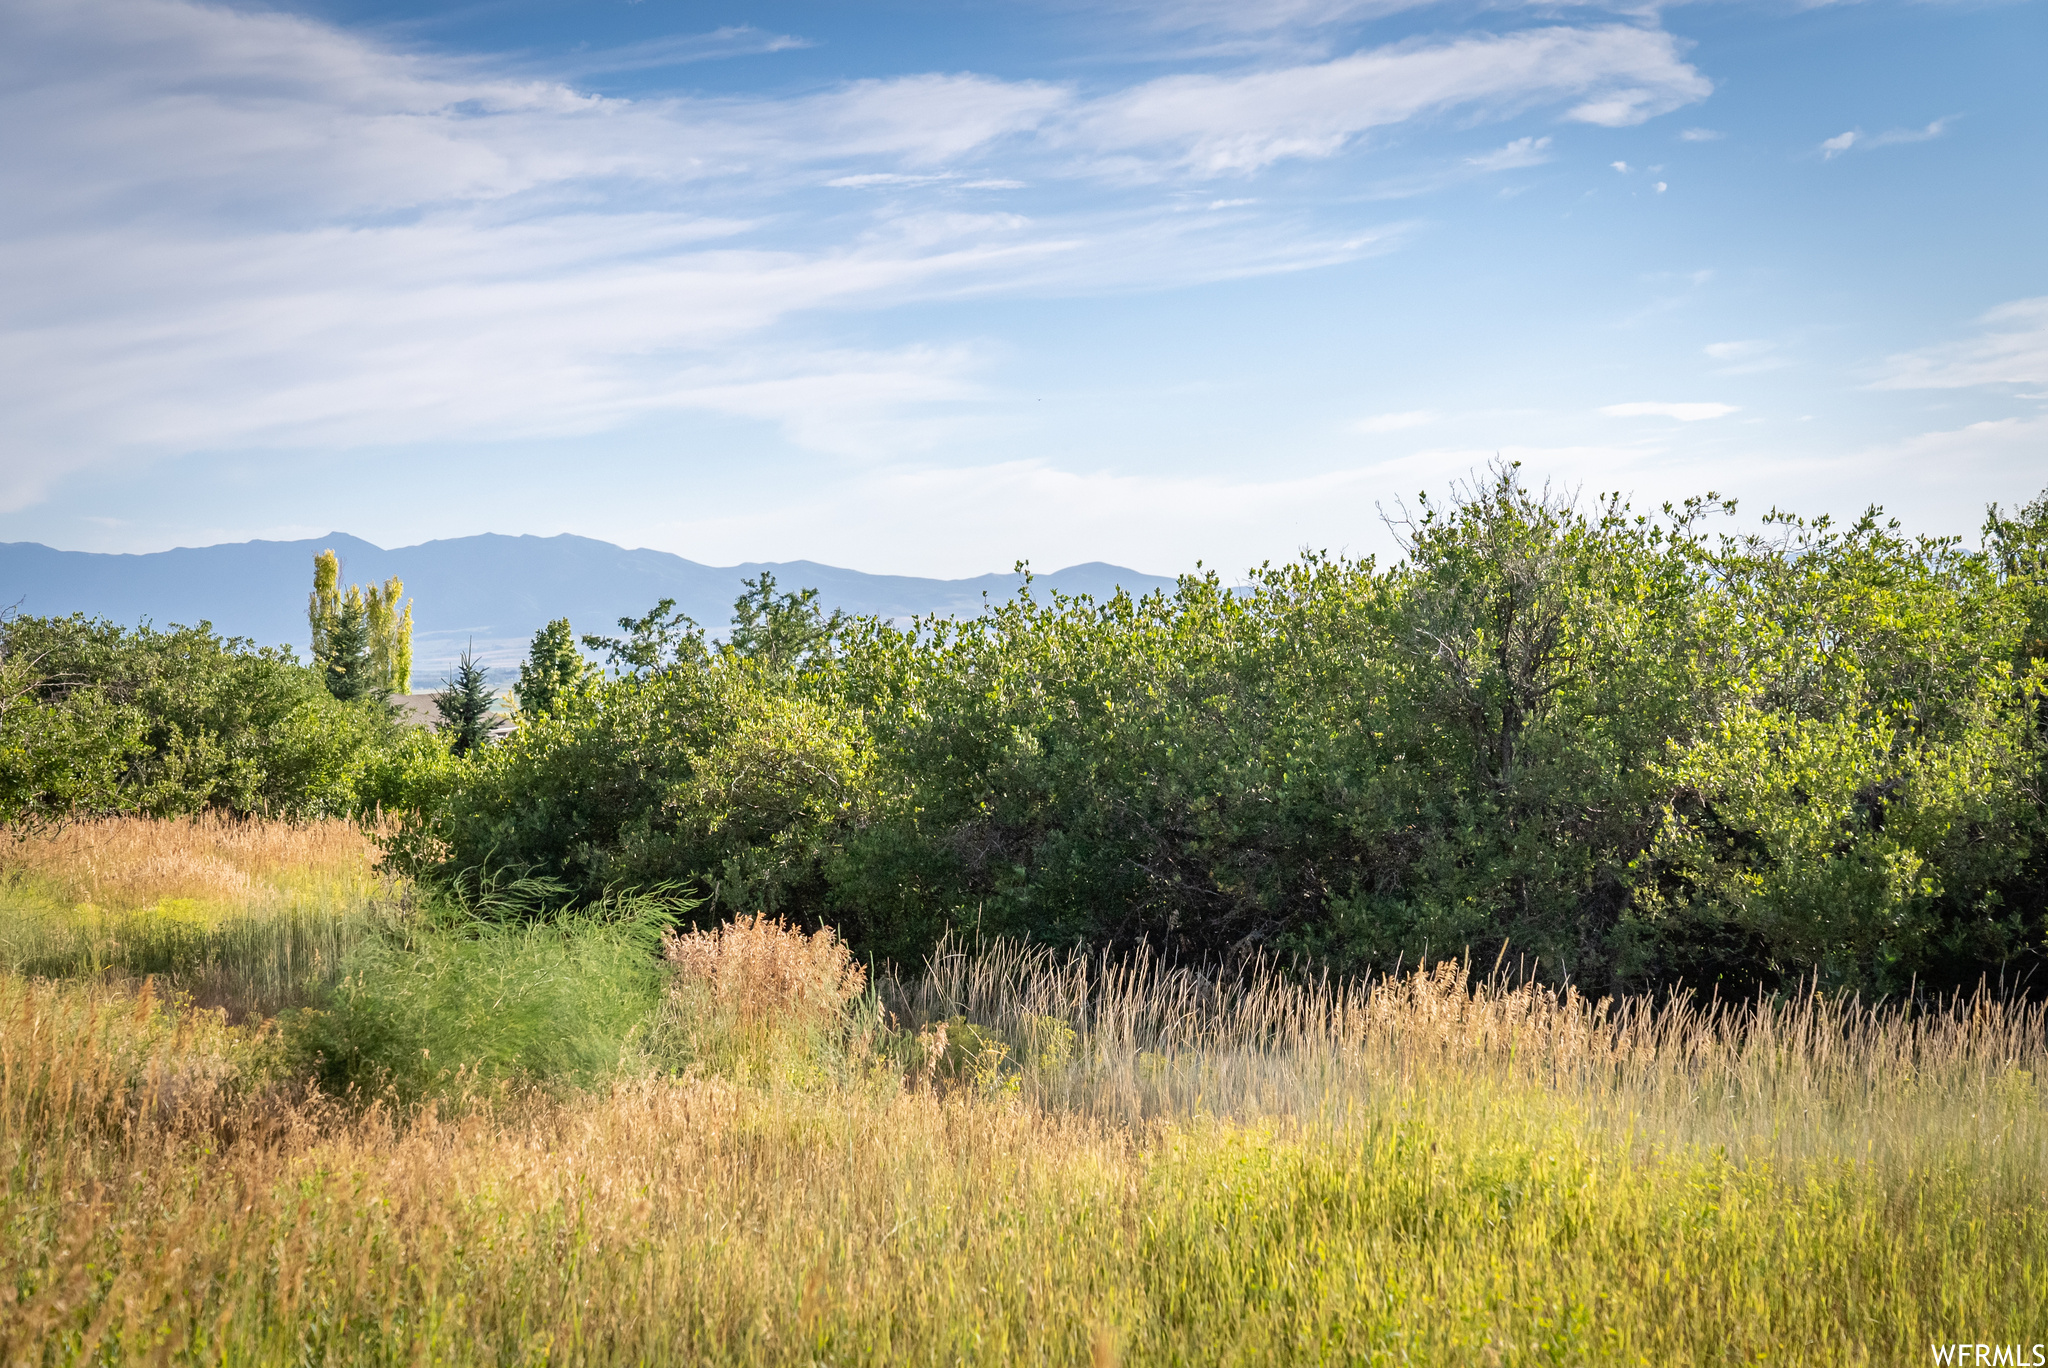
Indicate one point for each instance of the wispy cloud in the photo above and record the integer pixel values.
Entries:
(1700, 135)
(1856, 139)
(1913, 135)
(1517, 154)
(1225, 125)
(1684, 413)
(244, 228)
(740, 40)
(887, 179)
(2012, 349)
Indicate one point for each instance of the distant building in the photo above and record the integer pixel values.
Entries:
(418, 710)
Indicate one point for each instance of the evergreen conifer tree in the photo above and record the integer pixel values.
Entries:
(465, 704)
(347, 668)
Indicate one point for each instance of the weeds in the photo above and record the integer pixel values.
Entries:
(452, 1002)
(762, 999)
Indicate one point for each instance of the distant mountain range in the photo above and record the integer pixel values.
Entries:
(492, 591)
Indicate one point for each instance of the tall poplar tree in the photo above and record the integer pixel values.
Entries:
(390, 634)
(323, 605)
(387, 628)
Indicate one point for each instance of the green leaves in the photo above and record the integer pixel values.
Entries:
(554, 674)
(98, 718)
(1639, 752)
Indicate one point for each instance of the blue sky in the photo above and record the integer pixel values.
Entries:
(928, 288)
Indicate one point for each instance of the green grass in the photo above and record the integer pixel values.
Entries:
(454, 1003)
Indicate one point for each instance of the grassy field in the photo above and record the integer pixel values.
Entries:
(746, 1153)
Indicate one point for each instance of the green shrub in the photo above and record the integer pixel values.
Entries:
(96, 718)
(466, 1000)
(1643, 754)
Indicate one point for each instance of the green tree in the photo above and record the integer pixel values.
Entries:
(323, 605)
(175, 721)
(782, 631)
(63, 750)
(1645, 753)
(665, 637)
(554, 673)
(348, 667)
(390, 634)
(386, 665)
(465, 703)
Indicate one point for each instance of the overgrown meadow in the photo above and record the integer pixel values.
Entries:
(600, 1139)
(1591, 939)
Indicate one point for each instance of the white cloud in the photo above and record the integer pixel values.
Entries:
(240, 228)
(1912, 135)
(1395, 422)
(1521, 152)
(2012, 350)
(739, 40)
(1697, 135)
(1620, 166)
(1218, 125)
(1661, 187)
(1684, 413)
(1737, 351)
(885, 178)
(1944, 478)
(1854, 138)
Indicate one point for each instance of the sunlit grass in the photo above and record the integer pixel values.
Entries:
(1027, 1157)
(249, 915)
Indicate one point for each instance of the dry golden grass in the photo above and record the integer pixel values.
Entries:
(127, 864)
(1453, 1200)
(755, 968)
(1788, 1080)
(758, 999)
(251, 915)
(1105, 1161)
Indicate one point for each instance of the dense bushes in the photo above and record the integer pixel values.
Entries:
(1641, 751)
(96, 718)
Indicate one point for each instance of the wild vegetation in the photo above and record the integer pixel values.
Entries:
(1589, 939)
(744, 1150)
(1643, 753)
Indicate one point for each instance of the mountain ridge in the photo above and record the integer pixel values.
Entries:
(491, 590)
